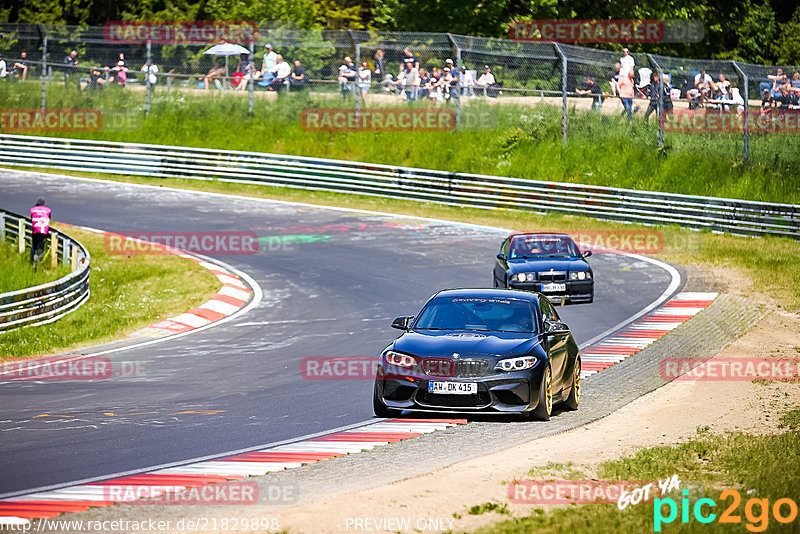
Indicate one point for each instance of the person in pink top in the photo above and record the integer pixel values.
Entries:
(40, 219)
(626, 93)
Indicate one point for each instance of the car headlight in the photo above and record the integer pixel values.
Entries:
(400, 360)
(580, 275)
(522, 277)
(516, 364)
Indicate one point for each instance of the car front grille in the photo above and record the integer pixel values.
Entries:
(471, 368)
(552, 276)
(454, 401)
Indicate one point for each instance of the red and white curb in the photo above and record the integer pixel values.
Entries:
(234, 295)
(19, 510)
(643, 332)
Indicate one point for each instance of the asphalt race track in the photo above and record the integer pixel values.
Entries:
(331, 289)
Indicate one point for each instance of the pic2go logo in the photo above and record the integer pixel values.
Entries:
(756, 511)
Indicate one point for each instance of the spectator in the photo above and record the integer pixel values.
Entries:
(214, 73)
(248, 68)
(485, 80)
(626, 63)
(70, 65)
(424, 84)
(22, 64)
(452, 90)
(786, 99)
(347, 77)
(282, 70)
(409, 58)
(698, 94)
(150, 72)
(651, 91)
(40, 221)
(593, 89)
(434, 85)
(298, 79)
(121, 72)
(796, 80)
(724, 84)
(364, 79)
(467, 82)
(766, 99)
(380, 68)
(267, 72)
(626, 93)
(96, 79)
(409, 81)
(3, 69)
(774, 82)
(614, 80)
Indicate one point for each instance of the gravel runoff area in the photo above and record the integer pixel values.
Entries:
(708, 333)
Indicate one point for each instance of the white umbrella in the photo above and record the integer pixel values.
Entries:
(226, 49)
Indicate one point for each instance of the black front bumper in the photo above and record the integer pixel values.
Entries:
(576, 290)
(507, 393)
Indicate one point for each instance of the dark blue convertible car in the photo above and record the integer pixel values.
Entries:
(549, 263)
(480, 350)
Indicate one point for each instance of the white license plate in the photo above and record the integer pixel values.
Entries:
(553, 287)
(453, 388)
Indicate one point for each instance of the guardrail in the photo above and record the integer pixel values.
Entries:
(45, 303)
(741, 217)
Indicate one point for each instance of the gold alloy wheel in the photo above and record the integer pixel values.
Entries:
(548, 384)
(577, 382)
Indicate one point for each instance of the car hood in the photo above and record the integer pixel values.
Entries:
(526, 265)
(444, 343)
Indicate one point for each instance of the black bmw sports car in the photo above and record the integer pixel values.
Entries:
(480, 350)
(549, 263)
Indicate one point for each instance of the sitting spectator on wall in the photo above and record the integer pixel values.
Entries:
(22, 64)
(773, 83)
(424, 83)
(786, 99)
(701, 90)
(282, 70)
(120, 73)
(96, 79)
(298, 79)
(593, 89)
(486, 80)
(766, 99)
(434, 85)
(796, 80)
(214, 73)
(249, 72)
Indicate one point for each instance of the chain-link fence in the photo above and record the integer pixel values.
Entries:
(486, 80)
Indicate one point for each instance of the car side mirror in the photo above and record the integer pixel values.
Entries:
(402, 323)
(501, 256)
(586, 253)
(555, 328)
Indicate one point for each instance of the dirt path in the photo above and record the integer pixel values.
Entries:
(672, 413)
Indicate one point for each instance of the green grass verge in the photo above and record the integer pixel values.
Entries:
(500, 139)
(128, 293)
(761, 467)
(753, 257)
(17, 271)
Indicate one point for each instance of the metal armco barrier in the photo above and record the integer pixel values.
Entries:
(45, 303)
(733, 216)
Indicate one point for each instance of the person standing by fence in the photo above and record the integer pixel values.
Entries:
(40, 220)
(626, 93)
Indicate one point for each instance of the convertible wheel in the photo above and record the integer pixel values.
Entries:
(545, 407)
(380, 408)
(575, 394)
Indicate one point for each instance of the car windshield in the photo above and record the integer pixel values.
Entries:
(532, 246)
(479, 314)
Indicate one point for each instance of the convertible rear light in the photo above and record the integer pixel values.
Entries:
(400, 360)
